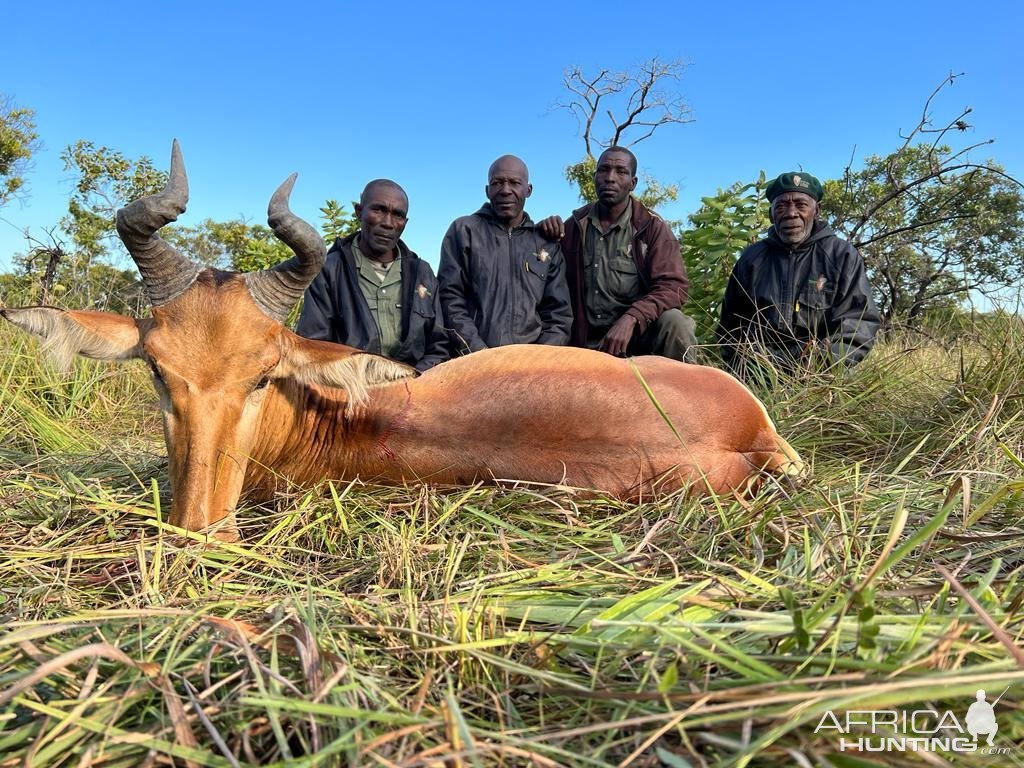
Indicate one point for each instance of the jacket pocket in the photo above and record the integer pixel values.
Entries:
(813, 305)
(623, 277)
(423, 305)
(536, 274)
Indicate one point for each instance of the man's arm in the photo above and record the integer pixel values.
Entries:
(316, 320)
(454, 287)
(736, 311)
(436, 343)
(666, 274)
(555, 310)
(854, 312)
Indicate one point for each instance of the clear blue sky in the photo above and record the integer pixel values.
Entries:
(428, 94)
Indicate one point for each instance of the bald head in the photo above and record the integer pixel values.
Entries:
(508, 186)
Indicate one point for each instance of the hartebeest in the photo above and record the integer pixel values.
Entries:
(247, 402)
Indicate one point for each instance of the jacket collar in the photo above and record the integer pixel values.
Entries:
(819, 231)
(487, 212)
(641, 216)
(344, 245)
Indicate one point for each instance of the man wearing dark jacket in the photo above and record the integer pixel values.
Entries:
(501, 281)
(800, 297)
(626, 275)
(373, 292)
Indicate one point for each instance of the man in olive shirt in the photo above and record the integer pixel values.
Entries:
(626, 276)
(373, 292)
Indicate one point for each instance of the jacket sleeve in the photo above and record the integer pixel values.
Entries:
(316, 321)
(437, 349)
(667, 275)
(555, 310)
(853, 312)
(736, 311)
(454, 286)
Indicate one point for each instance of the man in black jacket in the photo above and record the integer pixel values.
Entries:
(373, 292)
(800, 297)
(501, 281)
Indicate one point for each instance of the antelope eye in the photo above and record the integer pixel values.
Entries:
(262, 383)
(155, 370)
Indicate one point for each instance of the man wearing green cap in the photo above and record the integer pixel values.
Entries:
(800, 297)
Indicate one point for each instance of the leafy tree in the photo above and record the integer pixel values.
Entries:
(634, 102)
(104, 180)
(337, 222)
(67, 263)
(246, 247)
(933, 225)
(236, 244)
(725, 224)
(931, 230)
(18, 140)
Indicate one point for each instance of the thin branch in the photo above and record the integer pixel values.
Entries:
(645, 107)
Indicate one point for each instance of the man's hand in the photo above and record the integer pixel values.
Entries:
(616, 341)
(552, 227)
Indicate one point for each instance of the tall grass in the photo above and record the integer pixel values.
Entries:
(361, 625)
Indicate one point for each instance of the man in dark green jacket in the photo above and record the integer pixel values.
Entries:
(626, 275)
(800, 297)
(373, 293)
(501, 281)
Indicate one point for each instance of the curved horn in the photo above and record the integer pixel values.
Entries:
(276, 290)
(166, 274)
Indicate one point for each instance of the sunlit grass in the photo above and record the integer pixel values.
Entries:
(362, 625)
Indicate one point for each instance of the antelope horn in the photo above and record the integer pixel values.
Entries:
(166, 273)
(276, 290)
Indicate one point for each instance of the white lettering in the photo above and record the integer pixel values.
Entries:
(835, 723)
(919, 720)
(883, 717)
(949, 721)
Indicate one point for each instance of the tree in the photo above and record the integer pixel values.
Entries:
(104, 180)
(236, 244)
(932, 224)
(18, 140)
(725, 224)
(246, 247)
(338, 223)
(634, 102)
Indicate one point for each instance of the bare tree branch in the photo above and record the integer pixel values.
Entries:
(633, 93)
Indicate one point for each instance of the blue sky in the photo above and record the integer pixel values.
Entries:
(428, 94)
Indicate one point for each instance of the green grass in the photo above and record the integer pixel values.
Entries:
(377, 626)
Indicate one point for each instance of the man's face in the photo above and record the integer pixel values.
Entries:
(508, 186)
(793, 215)
(382, 218)
(614, 178)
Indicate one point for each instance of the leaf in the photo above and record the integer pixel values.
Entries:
(669, 678)
(671, 760)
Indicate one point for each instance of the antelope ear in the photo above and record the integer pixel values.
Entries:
(66, 333)
(335, 365)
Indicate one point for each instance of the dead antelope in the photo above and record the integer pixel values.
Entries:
(247, 402)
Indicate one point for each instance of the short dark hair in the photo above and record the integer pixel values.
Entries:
(380, 183)
(621, 151)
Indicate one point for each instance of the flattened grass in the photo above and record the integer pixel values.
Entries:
(361, 625)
